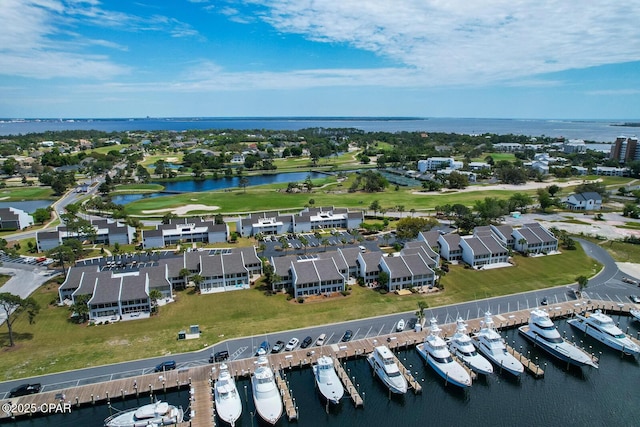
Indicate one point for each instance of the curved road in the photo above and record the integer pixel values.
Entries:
(606, 285)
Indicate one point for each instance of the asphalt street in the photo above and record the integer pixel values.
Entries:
(607, 285)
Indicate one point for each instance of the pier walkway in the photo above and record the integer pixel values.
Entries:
(348, 385)
(148, 385)
(289, 402)
(202, 406)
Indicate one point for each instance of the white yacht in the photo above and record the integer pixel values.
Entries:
(266, 395)
(327, 380)
(154, 414)
(601, 327)
(228, 402)
(461, 346)
(491, 345)
(435, 352)
(635, 314)
(384, 365)
(541, 331)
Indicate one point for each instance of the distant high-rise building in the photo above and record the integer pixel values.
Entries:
(625, 149)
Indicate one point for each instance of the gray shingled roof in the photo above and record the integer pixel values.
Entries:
(305, 272)
(397, 267)
(477, 246)
(133, 287)
(530, 236)
(327, 270)
(106, 291)
(417, 265)
(492, 244)
(372, 261)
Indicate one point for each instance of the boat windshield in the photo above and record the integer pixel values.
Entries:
(394, 374)
(389, 361)
(619, 336)
(469, 353)
(264, 380)
(554, 340)
(447, 359)
(546, 328)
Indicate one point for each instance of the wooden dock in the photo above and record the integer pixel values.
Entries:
(289, 402)
(202, 406)
(348, 384)
(413, 383)
(531, 367)
(110, 390)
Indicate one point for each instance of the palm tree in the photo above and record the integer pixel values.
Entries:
(304, 242)
(400, 209)
(283, 241)
(325, 243)
(261, 248)
(185, 273)
(154, 295)
(244, 181)
(422, 305)
(197, 280)
(583, 282)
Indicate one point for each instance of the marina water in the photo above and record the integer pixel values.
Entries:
(565, 396)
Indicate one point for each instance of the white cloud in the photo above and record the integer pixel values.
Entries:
(462, 41)
(614, 92)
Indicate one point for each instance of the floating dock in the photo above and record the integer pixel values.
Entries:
(199, 378)
(348, 385)
(411, 381)
(289, 403)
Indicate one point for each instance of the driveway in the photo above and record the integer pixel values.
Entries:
(24, 281)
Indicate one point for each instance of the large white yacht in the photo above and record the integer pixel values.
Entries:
(384, 365)
(265, 392)
(601, 327)
(154, 414)
(461, 346)
(491, 345)
(435, 352)
(327, 379)
(228, 402)
(541, 331)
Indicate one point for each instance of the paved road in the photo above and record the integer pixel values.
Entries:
(607, 286)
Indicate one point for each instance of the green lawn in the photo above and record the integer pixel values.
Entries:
(138, 188)
(248, 312)
(26, 193)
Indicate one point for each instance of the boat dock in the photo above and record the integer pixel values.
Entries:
(199, 377)
(411, 381)
(289, 402)
(348, 385)
(202, 406)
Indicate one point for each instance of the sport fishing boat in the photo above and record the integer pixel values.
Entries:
(492, 346)
(601, 327)
(386, 368)
(541, 331)
(154, 414)
(265, 392)
(462, 347)
(327, 380)
(435, 352)
(228, 402)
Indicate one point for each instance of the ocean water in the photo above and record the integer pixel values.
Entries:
(568, 397)
(590, 130)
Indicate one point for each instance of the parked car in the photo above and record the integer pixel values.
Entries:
(544, 301)
(412, 323)
(321, 339)
(348, 334)
(292, 344)
(25, 389)
(167, 365)
(629, 280)
(219, 356)
(277, 347)
(263, 349)
(306, 342)
(634, 299)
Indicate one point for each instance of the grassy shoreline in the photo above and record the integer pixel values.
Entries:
(249, 312)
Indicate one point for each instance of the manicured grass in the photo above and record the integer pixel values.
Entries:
(138, 188)
(246, 313)
(267, 198)
(620, 251)
(26, 193)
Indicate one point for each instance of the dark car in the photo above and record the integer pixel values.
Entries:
(25, 389)
(544, 301)
(411, 323)
(219, 356)
(348, 334)
(277, 347)
(167, 365)
(635, 299)
(306, 342)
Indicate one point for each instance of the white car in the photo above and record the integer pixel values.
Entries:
(292, 344)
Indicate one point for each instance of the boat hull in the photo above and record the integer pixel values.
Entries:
(564, 351)
(477, 364)
(507, 362)
(581, 325)
(457, 376)
(329, 387)
(380, 373)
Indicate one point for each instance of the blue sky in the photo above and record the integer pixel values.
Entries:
(230, 58)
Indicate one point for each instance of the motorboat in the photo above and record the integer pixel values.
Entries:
(228, 402)
(435, 352)
(327, 380)
(400, 326)
(154, 414)
(491, 345)
(601, 327)
(462, 347)
(385, 367)
(265, 392)
(635, 314)
(541, 331)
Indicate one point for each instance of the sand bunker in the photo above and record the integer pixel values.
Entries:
(183, 210)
